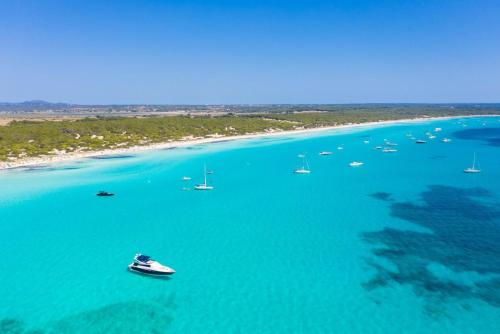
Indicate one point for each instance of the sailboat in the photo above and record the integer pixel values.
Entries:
(204, 185)
(472, 169)
(305, 167)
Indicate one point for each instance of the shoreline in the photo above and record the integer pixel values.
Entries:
(45, 160)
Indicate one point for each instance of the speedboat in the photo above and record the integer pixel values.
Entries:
(356, 164)
(438, 130)
(432, 137)
(446, 140)
(420, 141)
(325, 153)
(146, 265)
(340, 148)
(366, 141)
(186, 178)
(378, 147)
(104, 194)
(389, 150)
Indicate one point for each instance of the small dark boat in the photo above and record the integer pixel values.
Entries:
(420, 141)
(104, 194)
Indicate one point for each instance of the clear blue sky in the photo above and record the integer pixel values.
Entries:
(250, 51)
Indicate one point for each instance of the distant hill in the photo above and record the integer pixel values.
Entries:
(33, 105)
(403, 108)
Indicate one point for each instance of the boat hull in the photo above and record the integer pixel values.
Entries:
(149, 272)
(472, 171)
(203, 188)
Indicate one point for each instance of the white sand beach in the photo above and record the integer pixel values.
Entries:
(64, 157)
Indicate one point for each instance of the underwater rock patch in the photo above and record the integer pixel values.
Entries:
(465, 237)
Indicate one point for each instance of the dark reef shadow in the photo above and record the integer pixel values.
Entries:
(151, 316)
(437, 157)
(383, 196)
(44, 168)
(491, 136)
(111, 157)
(464, 225)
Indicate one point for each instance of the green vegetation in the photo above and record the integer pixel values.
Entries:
(34, 138)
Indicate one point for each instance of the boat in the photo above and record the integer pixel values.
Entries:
(300, 155)
(340, 147)
(389, 150)
(472, 169)
(420, 141)
(305, 167)
(204, 185)
(325, 153)
(186, 178)
(388, 143)
(356, 164)
(378, 147)
(146, 265)
(432, 137)
(366, 141)
(446, 140)
(104, 194)
(438, 130)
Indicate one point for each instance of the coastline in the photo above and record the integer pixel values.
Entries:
(45, 160)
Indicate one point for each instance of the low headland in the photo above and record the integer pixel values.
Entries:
(33, 141)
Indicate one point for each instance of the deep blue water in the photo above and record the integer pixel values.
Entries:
(406, 243)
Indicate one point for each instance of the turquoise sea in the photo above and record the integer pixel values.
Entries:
(406, 243)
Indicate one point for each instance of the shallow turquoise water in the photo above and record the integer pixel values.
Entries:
(406, 243)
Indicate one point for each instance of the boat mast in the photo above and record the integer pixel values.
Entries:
(474, 161)
(205, 170)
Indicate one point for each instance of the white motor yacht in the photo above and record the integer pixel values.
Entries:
(146, 265)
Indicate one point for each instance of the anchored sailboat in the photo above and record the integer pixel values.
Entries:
(305, 166)
(204, 186)
(472, 169)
